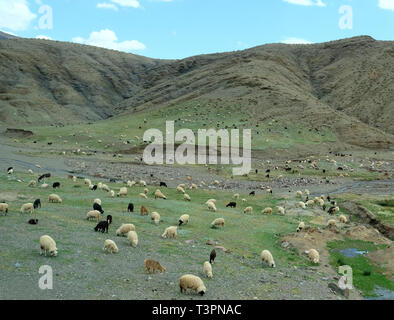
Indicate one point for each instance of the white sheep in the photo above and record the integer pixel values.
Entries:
(299, 194)
(105, 188)
(187, 197)
(32, 183)
(155, 217)
(211, 200)
(125, 228)
(331, 223)
(267, 258)
(94, 214)
(143, 195)
(133, 238)
(267, 211)
(184, 219)
(87, 181)
(314, 256)
(112, 193)
(170, 232)
(54, 198)
(98, 201)
(110, 246)
(159, 194)
(307, 192)
(281, 210)
(27, 207)
(47, 244)
(218, 222)
(45, 186)
(302, 205)
(310, 203)
(248, 210)
(180, 189)
(142, 183)
(207, 268)
(301, 226)
(146, 190)
(236, 195)
(211, 206)
(193, 186)
(122, 192)
(189, 281)
(342, 219)
(4, 208)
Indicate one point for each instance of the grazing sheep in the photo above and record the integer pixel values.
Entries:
(231, 205)
(212, 256)
(301, 226)
(130, 183)
(142, 183)
(299, 194)
(184, 219)
(236, 195)
(74, 178)
(193, 186)
(281, 210)
(267, 211)
(98, 201)
(155, 217)
(110, 246)
(47, 244)
(342, 219)
(88, 181)
(10, 170)
(130, 207)
(253, 193)
(54, 198)
(37, 203)
(182, 185)
(331, 223)
(216, 182)
(112, 193)
(310, 203)
(302, 205)
(146, 190)
(133, 238)
(187, 197)
(94, 214)
(154, 266)
(45, 186)
(163, 184)
(32, 183)
(97, 207)
(160, 195)
(267, 258)
(33, 221)
(189, 178)
(56, 185)
(314, 256)
(122, 192)
(307, 192)
(248, 210)
(211, 206)
(217, 222)
(189, 281)
(211, 200)
(143, 195)
(268, 190)
(4, 208)
(109, 219)
(125, 228)
(45, 175)
(27, 207)
(170, 232)
(100, 185)
(244, 200)
(180, 189)
(207, 268)
(144, 211)
(105, 188)
(102, 226)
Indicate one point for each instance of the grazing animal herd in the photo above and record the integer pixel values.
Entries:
(128, 230)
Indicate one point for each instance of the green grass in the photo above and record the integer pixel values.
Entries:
(366, 275)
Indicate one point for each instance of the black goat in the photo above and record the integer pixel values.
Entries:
(102, 226)
(109, 219)
(37, 203)
(33, 221)
(212, 256)
(163, 184)
(130, 207)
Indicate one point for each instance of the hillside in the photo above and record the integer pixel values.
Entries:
(343, 87)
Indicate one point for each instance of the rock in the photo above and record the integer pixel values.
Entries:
(334, 287)
(285, 244)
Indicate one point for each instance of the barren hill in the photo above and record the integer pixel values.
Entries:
(346, 85)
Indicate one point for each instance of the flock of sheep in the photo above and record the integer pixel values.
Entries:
(188, 281)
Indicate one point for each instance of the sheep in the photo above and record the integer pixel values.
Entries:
(133, 238)
(211, 206)
(27, 207)
(37, 203)
(320, 202)
(142, 183)
(236, 195)
(33, 221)
(216, 182)
(267, 211)
(187, 197)
(248, 210)
(74, 178)
(130, 183)
(45, 186)
(184, 219)
(154, 266)
(45, 175)
(47, 244)
(102, 226)
(143, 195)
(211, 200)
(281, 210)
(307, 192)
(342, 219)
(125, 228)
(302, 205)
(180, 189)
(32, 183)
(97, 207)
(299, 194)
(100, 185)
(231, 204)
(268, 190)
(112, 193)
(122, 192)
(193, 186)
(144, 211)
(217, 222)
(105, 188)
(314, 256)
(4, 208)
(207, 268)
(56, 185)
(267, 258)
(189, 281)
(109, 219)
(170, 232)
(160, 195)
(87, 181)
(301, 226)
(189, 178)
(212, 256)
(182, 185)
(331, 223)
(110, 246)
(98, 201)
(155, 217)
(163, 184)
(310, 203)
(10, 170)
(130, 207)
(54, 198)
(94, 214)
(146, 190)
(244, 200)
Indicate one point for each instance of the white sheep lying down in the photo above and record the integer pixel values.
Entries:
(47, 244)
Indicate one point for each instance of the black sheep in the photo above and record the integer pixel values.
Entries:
(37, 203)
(33, 221)
(331, 210)
(94, 187)
(102, 226)
(253, 193)
(231, 205)
(163, 184)
(56, 185)
(130, 207)
(109, 219)
(212, 256)
(97, 207)
(45, 175)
